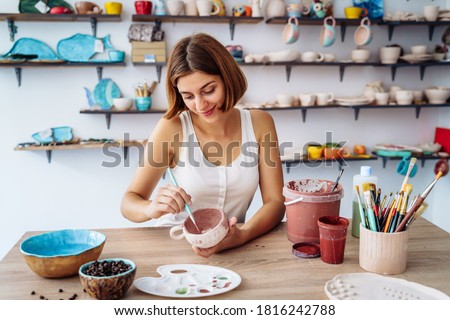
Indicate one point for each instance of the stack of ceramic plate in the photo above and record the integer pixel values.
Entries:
(352, 101)
(417, 58)
(444, 15)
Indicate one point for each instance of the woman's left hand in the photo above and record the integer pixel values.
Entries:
(228, 242)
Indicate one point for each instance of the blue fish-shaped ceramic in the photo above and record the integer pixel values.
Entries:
(82, 47)
(104, 93)
(29, 46)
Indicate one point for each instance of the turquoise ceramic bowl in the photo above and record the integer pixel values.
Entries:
(116, 55)
(107, 287)
(60, 253)
(143, 103)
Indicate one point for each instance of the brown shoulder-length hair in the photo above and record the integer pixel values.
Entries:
(203, 53)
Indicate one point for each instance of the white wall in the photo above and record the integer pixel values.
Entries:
(75, 191)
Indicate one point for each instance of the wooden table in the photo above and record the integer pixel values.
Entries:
(267, 266)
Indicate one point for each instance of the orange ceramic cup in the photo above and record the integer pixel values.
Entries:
(336, 152)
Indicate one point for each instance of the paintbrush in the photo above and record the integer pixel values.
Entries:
(412, 162)
(186, 207)
(393, 223)
(423, 207)
(390, 213)
(369, 205)
(418, 202)
(361, 209)
(401, 216)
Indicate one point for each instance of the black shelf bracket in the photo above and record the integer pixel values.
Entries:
(49, 155)
(393, 72)
(422, 72)
(343, 29)
(288, 72)
(108, 120)
(232, 27)
(384, 160)
(341, 72)
(18, 75)
(12, 29)
(99, 73)
(288, 167)
(390, 31)
(422, 162)
(304, 114)
(158, 72)
(430, 31)
(94, 26)
(417, 112)
(125, 152)
(356, 109)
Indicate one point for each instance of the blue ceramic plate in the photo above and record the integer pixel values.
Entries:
(104, 93)
(62, 243)
(33, 46)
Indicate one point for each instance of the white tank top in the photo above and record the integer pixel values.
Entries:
(228, 187)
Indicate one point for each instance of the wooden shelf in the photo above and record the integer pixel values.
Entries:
(231, 20)
(431, 26)
(345, 64)
(417, 107)
(109, 113)
(11, 18)
(19, 65)
(316, 162)
(357, 108)
(83, 145)
(421, 158)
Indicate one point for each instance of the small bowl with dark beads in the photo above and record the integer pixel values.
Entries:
(107, 279)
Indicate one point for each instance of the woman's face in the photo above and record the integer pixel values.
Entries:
(203, 94)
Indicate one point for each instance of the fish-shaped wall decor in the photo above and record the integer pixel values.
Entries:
(104, 93)
(82, 47)
(30, 46)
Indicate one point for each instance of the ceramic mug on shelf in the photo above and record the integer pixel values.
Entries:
(363, 34)
(85, 7)
(175, 7)
(328, 32)
(143, 7)
(324, 98)
(355, 12)
(212, 226)
(307, 99)
(310, 56)
(360, 55)
(390, 55)
(381, 98)
(404, 97)
(205, 8)
(291, 31)
(430, 13)
(113, 7)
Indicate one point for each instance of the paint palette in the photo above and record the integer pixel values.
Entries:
(189, 281)
(370, 286)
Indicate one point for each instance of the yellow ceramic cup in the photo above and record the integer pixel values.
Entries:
(355, 12)
(113, 7)
(315, 152)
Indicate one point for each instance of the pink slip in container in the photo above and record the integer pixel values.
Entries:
(318, 200)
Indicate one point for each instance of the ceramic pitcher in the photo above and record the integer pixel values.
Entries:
(221, 5)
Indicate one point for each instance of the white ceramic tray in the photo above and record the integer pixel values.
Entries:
(371, 286)
(189, 281)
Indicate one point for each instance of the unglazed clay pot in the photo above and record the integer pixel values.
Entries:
(212, 228)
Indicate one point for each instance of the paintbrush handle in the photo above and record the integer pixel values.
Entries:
(186, 207)
(409, 214)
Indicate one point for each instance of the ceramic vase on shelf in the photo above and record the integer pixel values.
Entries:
(256, 6)
(275, 8)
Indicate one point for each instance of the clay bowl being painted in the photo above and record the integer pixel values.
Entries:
(60, 254)
(212, 228)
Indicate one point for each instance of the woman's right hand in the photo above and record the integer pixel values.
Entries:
(168, 199)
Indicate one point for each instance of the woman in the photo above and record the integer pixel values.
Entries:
(219, 154)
